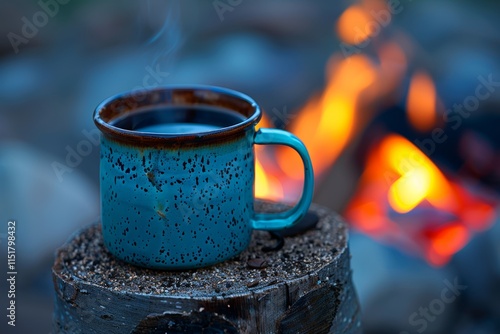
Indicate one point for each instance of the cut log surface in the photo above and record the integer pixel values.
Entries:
(303, 287)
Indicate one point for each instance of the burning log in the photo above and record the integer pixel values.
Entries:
(303, 287)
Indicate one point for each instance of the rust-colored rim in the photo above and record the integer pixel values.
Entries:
(120, 105)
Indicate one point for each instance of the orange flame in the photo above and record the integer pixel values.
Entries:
(402, 197)
(329, 120)
(421, 102)
(359, 22)
(267, 185)
(352, 23)
(326, 122)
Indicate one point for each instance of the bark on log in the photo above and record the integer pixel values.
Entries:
(304, 287)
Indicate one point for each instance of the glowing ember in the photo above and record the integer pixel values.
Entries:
(399, 179)
(421, 102)
(446, 241)
(418, 178)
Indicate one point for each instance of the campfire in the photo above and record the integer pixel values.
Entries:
(403, 197)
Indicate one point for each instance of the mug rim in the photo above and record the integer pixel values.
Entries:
(119, 104)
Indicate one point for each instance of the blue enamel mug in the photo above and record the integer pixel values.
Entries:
(177, 175)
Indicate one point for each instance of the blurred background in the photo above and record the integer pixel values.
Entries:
(397, 101)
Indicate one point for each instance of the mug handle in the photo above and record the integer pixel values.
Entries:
(275, 221)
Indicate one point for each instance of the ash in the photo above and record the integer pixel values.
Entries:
(85, 258)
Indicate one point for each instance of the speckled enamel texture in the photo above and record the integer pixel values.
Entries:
(177, 208)
(182, 201)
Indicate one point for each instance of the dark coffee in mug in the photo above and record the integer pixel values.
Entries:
(178, 120)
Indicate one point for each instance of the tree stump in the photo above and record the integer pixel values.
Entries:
(303, 287)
